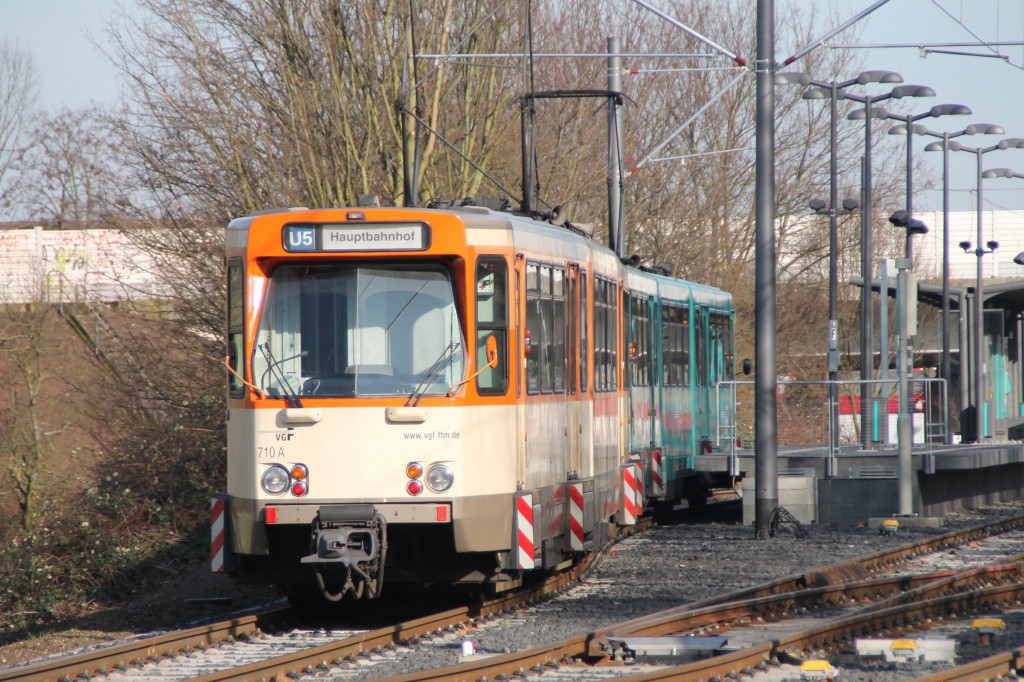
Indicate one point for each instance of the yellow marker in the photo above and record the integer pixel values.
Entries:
(988, 624)
(818, 669)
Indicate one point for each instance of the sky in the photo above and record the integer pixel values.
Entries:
(60, 36)
(991, 86)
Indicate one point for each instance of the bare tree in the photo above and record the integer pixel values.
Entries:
(71, 172)
(242, 105)
(18, 91)
(26, 424)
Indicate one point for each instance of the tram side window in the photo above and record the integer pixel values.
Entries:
(600, 353)
(730, 351)
(533, 327)
(641, 338)
(605, 338)
(583, 331)
(671, 346)
(611, 331)
(701, 350)
(676, 345)
(721, 348)
(684, 345)
(492, 320)
(236, 325)
(558, 357)
(545, 319)
(547, 323)
(714, 349)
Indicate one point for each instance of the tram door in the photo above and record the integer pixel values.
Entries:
(642, 409)
(701, 334)
(520, 360)
(572, 346)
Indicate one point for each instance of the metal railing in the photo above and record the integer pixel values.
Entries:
(935, 414)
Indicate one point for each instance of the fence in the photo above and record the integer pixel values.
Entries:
(806, 414)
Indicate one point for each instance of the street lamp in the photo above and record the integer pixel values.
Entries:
(835, 91)
(819, 207)
(867, 330)
(973, 129)
(906, 129)
(906, 290)
(978, 383)
(1001, 173)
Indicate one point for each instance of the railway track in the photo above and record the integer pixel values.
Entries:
(772, 602)
(342, 645)
(903, 600)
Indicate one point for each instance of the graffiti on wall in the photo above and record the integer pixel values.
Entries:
(71, 265)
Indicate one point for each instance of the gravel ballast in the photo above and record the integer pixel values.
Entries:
(671, 565)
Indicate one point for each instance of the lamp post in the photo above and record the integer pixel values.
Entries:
(907, 128)
(978, 383)
(867, 330)
(913, 226)
(973, 129)
(906, 291)
(835, 91)
(978, 365)
(819, 207)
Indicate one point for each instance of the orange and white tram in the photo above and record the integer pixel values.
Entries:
(446, 397)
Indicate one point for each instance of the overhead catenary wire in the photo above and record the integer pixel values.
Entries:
(717, 152)
(637, 72)
(455, 48)
(820, 42)
(654, 152)
(692, 33)
(570, 55)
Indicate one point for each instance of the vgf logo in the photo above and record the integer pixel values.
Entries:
(301, 238)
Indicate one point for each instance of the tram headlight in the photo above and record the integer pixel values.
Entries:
(275, 480)
(439, 478)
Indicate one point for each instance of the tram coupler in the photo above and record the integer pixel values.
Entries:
(349, 534)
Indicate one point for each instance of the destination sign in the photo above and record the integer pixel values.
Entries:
(357, 237)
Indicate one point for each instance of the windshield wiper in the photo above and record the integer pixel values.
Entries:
(274, 368)
(446, 355)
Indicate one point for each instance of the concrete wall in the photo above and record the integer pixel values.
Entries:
(72, 265)
(849, 501)
(797, 495)
(949, 490)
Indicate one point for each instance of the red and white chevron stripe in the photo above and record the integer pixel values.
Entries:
(632, 495)
(576, 517)
(217, 508)
(524, 532)
(657, 474)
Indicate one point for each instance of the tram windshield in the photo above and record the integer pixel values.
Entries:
(358, 330)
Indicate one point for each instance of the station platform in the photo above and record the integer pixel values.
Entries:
(862, 485)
